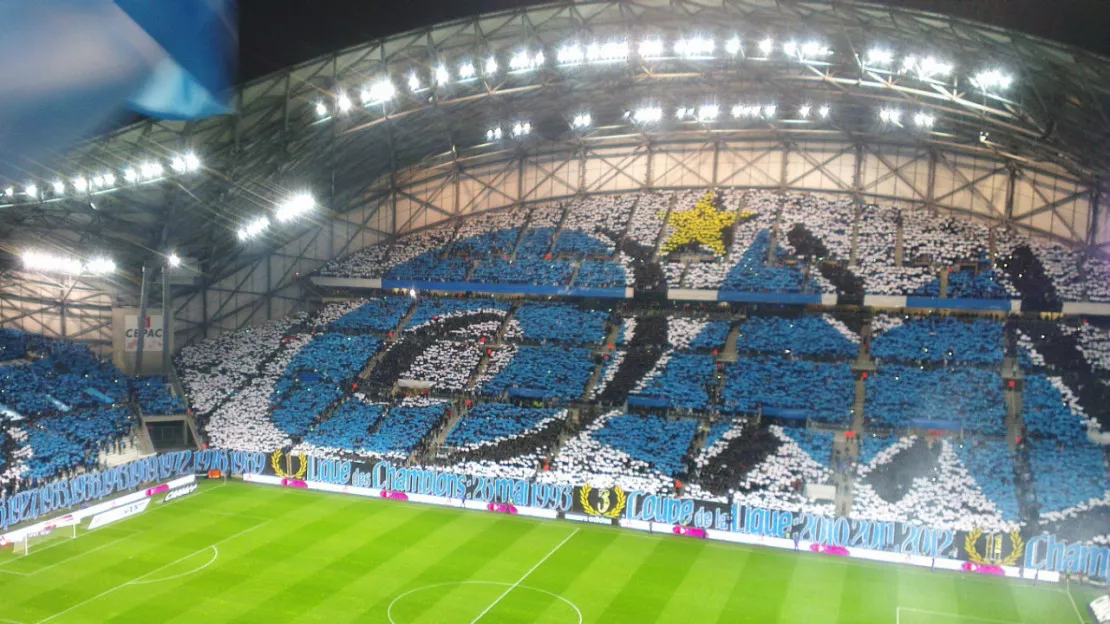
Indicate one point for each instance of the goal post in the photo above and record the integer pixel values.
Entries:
(46, 536)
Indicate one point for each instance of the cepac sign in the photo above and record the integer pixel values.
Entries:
(150, 329)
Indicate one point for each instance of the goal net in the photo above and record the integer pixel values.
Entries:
(51, 533)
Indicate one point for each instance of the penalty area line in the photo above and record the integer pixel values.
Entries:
(954, 616)
(526, 575)
(155, 571)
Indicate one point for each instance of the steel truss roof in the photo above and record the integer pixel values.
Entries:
(1053, 122)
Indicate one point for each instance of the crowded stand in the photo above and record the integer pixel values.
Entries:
(679, 381)
(376, 315)
(923, 481)
(634, 452)
(446, 364)
(901, 396)
(762, 466)
(561, 322)
(939, 340)
(544, 372)
(802, 336)
(489, 424)
(154, 397)
(435, 310)
(791, 389)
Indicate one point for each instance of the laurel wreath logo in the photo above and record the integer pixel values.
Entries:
(972, 539)
(614, 510)
(275, 461)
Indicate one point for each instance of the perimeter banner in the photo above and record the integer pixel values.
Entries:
(613, 504)
(30, 505)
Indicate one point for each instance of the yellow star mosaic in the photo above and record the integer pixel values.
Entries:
(703, 224)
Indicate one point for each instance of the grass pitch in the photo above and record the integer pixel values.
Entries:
(257, 554)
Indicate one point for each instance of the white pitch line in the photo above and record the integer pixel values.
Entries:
(526, 575)
(1079, 615)
(898, 616)
(141, 577)
(81, 554)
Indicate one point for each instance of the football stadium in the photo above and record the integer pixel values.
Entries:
(591, 312)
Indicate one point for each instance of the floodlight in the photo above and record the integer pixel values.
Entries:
(192, 162)
(254, 228)
(770, 110)
(47, 262)
(295, 207)
(466, 71)
(824, 111)
(879, 57)
(814, 49)
(695, 47)
(521, 129)
(651, 48)
(924, 120)
(890, 115)
(732, 46)
(59, 187)
(647, 114)
(491, 66)
(681, 112)
(130, 174)
(708, 112)
(321, 110)
(442, 76)
(746, 111)
(992, 79)
(414, 82)
(151, 170)
(570, 54)
(607, 52)
(494, 134)
(343, 103)
(100, 266)
(173, 260)
(80, 184)
(178, 164)
(767, 46)
(520, 61)
(926, 68)
(10, 191)
(31, 190)
(804, 110)
(381, 91)
(581, 120)
(109, 179)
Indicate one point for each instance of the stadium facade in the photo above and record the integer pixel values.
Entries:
(557, 101)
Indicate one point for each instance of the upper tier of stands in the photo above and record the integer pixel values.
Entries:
(750, 242)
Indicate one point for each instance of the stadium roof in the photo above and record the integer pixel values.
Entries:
(289, 134)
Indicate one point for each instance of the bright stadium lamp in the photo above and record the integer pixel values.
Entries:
(732, 46)
(380, 91)
(891, 116)
(100, 266)
(708, 112)
(173, 260)
(647, 114)
(804, 111)
(414, 82)
(130, 175)
(59, 187)
(581, 120)
(521, 129)
(824, 111)
(442, 76)
(466, 71)
(31, 190)
(80, 184)
(924, 120)
(767, 46)
(343, 103)
(109, 179)
(254, 228)
(879, 57)
(992, 80)
(695, 47)
(9, 192)
(296, 206)
(321, 109)
(178, 164)
(491, 66)
(570, 54)
(770, 110)
(650, 48)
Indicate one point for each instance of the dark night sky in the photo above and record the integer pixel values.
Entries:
(277, 33)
